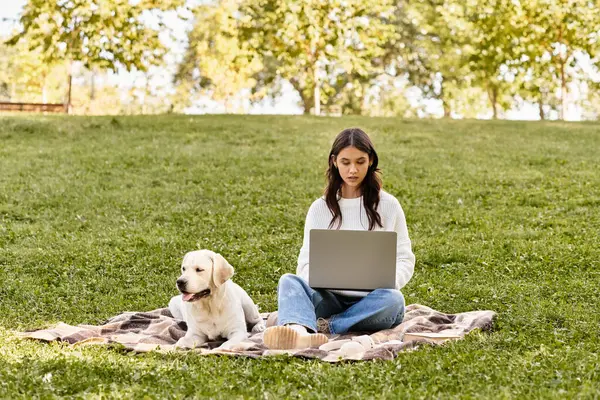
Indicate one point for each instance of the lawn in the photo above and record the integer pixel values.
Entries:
(97, 212)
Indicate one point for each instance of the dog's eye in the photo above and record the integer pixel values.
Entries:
(183, 268)
(199, 270)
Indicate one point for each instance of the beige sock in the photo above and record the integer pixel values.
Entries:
(301, 329)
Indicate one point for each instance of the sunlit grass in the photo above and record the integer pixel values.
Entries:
(96, 213)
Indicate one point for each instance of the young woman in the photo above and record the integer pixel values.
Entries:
(353, 200)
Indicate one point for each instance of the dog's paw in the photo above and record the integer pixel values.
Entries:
(259, 327)
(237, 344)
(227, 346)
(186, 343)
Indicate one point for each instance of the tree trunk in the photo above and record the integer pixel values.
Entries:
(364, 106)
(307, 100)
(306, 97)
(445, 104)
(67, 101)
(317, 95)
(146, 92)
(493, 96)
(541, 105)
(44, 91)
(92, 86)
(563, 80)
(447, 109)
(563, 91)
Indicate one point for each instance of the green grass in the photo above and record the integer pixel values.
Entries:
(96, 214)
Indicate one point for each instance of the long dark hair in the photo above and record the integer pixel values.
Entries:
(370, 186)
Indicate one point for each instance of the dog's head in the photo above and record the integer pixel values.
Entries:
(202, 272)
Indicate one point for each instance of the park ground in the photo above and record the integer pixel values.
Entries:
(97, 212)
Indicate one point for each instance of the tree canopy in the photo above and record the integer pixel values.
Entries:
(473, 57)
(102, 33)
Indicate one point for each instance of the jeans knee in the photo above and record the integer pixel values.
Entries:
(394, 299)
(290, 282)
(287, 278)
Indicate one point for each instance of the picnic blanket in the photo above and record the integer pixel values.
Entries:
(157, 330)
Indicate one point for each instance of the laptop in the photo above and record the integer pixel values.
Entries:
(352, 260)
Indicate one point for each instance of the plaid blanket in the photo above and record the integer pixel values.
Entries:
(158, 331)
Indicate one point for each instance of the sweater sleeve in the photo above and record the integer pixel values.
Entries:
(303, 257)
(405, 259)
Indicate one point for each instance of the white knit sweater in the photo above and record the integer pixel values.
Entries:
(354, 217)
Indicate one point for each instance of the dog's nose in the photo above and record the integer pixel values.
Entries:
(181, 284)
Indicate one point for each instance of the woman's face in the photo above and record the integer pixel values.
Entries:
(353, 165)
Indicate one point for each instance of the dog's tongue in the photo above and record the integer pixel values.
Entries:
(187, 296)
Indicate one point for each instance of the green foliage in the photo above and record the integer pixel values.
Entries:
(396, 105)
(103, 34)
(433, 55)
(333, 53)
(493, 41)
(96, 213)
(215, 64)
(25, 77)
(316, 44)
(452, 51)
(557, 33)
(391, 100)
(591, 105)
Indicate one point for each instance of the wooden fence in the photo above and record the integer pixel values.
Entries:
(34, 107)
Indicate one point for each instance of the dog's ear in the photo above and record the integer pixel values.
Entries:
(222, 270)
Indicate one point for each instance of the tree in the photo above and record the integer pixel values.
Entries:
(364, 92)
(24, 77)
(104, 34)
(557, 32)
(389, 99)
(431, 49)
(495, 29)
(538, 85)
(214, 63)
(591, 104)
(312, 41)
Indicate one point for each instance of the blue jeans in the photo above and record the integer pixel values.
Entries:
(301, 304)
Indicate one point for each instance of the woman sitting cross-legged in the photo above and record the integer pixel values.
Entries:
(353, 200)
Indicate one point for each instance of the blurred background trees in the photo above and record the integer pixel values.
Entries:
(445, 58)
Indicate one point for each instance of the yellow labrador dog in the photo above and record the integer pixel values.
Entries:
(211, 304)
